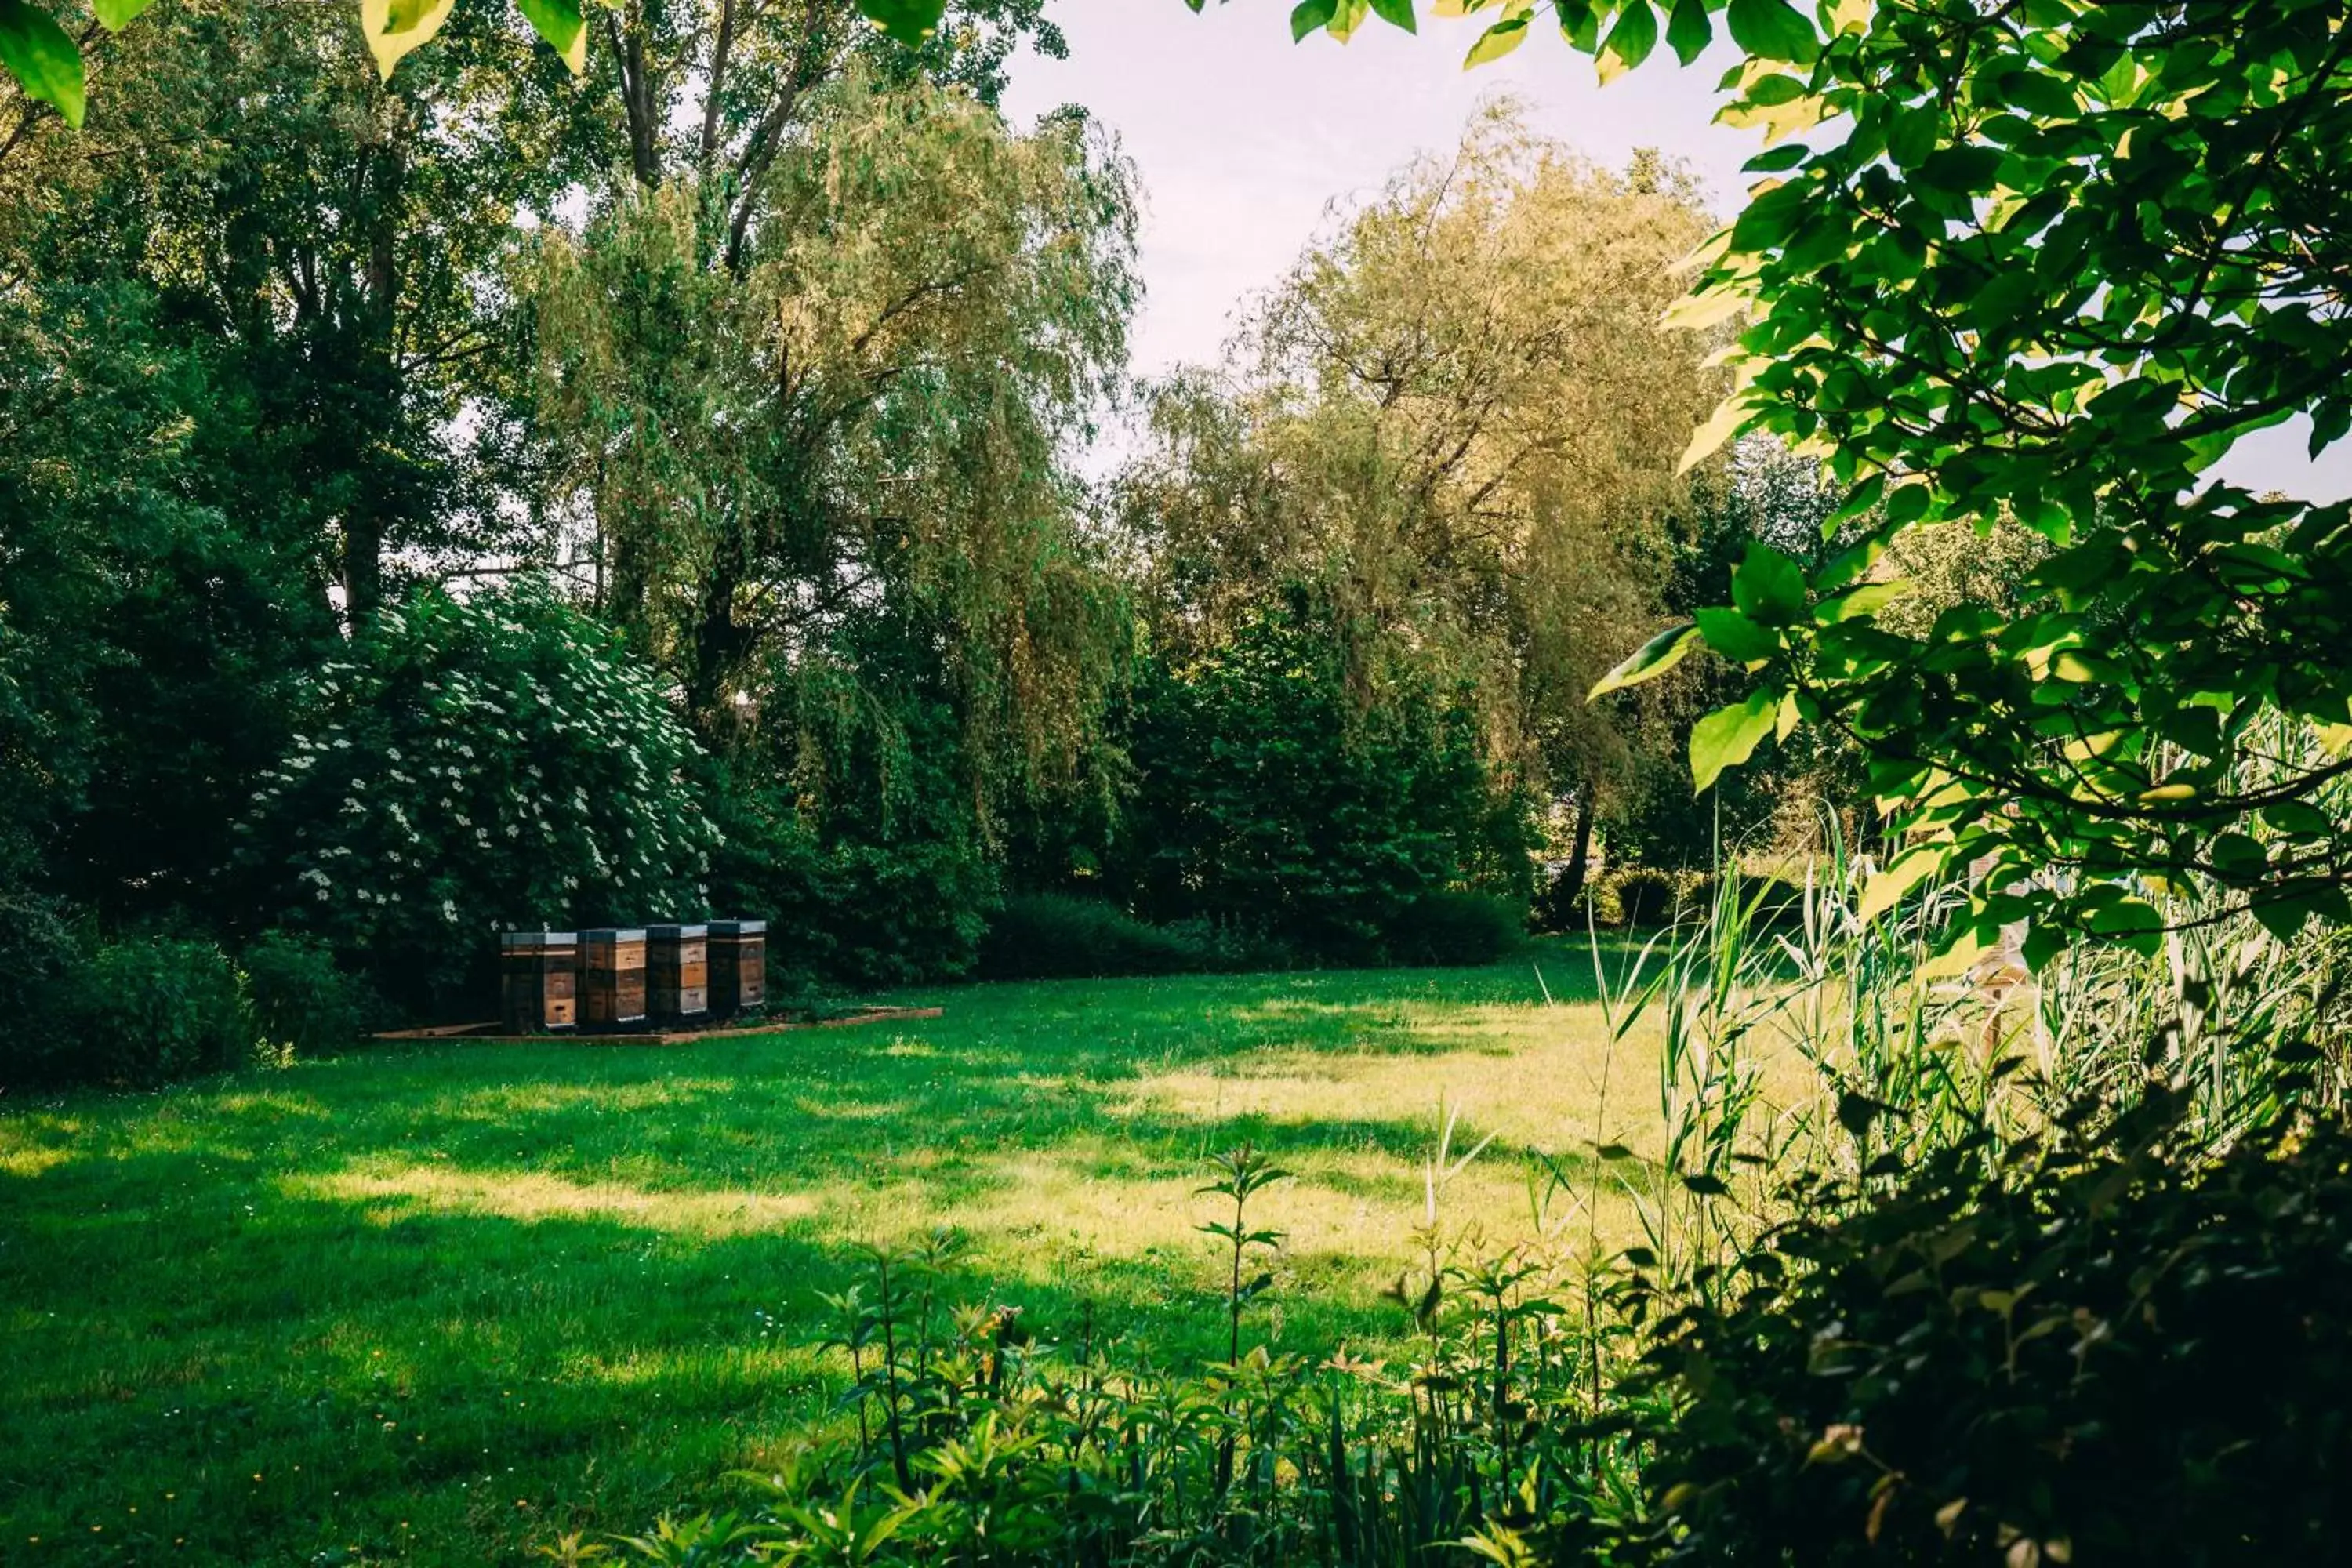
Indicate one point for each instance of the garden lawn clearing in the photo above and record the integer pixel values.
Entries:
(438, 1302)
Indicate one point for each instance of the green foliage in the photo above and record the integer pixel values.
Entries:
(1274, 799)
(977, 1440)
(1054, 936)
(149, 644)
(473, 766)
(47, 63)
(2090, 1350)
(1468, 485)
(2157, 715)
(303, 1003)
(948, 297)
(1645, 895)
(39, 949)
(146, 1012)
(1457, 927)
(871, 873)
(2126, 721)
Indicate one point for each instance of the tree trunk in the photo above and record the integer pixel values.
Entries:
(1570, 885)
(377, 370)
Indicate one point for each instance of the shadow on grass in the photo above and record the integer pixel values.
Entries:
(436, 1302)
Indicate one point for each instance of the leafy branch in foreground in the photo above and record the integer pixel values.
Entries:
(2061, 258)
(46, 60)
(2056, 261)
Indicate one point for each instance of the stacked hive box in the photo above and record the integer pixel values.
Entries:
(738, 967)
(537, 980)
(612, 971)
(678, 969)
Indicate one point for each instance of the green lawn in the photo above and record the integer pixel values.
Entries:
(436, 1303)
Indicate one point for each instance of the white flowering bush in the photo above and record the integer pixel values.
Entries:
(474, 765)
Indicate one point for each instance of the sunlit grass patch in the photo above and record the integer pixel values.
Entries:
(478, 1295)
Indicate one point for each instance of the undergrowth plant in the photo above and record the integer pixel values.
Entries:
(1835, 1095)
(971, 1440)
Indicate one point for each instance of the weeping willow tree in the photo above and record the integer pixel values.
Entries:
(1459, 419)
(818, 460)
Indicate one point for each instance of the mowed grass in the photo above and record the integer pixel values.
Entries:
(438, 1303)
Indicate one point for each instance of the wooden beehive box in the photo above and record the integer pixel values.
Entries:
(678, 971)
(738, 967)
(612, 977)
(538, 981)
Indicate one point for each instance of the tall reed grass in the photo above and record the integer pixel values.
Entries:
(1788, 1046)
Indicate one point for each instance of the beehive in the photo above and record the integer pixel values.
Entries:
(738, 967)
(537, 980)
(678, 971)
(613, 978)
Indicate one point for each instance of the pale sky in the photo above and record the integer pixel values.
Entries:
(1243, 139)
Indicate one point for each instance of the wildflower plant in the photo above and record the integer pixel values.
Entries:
(476, 764)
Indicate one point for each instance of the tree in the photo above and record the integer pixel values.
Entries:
(1458, 418)
(824, 478)
(1274, 802)
(2054, 261)
(147, 643)
(45, 60)
(2060, 261)
(334, 250)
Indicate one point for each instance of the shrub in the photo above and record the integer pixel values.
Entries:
(1773, 902)
(1644, 895)
(37, 953)
(495, 761)
(851, 897)
(1051, 936)
(1456, 928)
(146, 1012)
(1275, 797)
(302, 1002)
(2103, 1354)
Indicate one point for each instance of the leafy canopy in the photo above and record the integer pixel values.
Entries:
(1483, 475)
(2041, 263)
(46, 60)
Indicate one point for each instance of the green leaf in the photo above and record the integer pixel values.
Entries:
(1310, 16)
(1887, 888)
(417, 21)
(42, 59)
(2045, 942)
(1579, 24)
(1855, 603)
(2285, 918)
(1729, 417)
(562, 25)
(1730, 736)
(1396, 13)
(1856, 1111)
(1688, 30)
(407, 15)
(1497, 41)
(1769, 585)
(1649, 661)
(118, 15)
(1735, 637)
(908, 21)
(1630, 41)
(1773, 30)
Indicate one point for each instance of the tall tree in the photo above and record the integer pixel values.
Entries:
(1459, 416)
(855, 430)
(334, 246)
